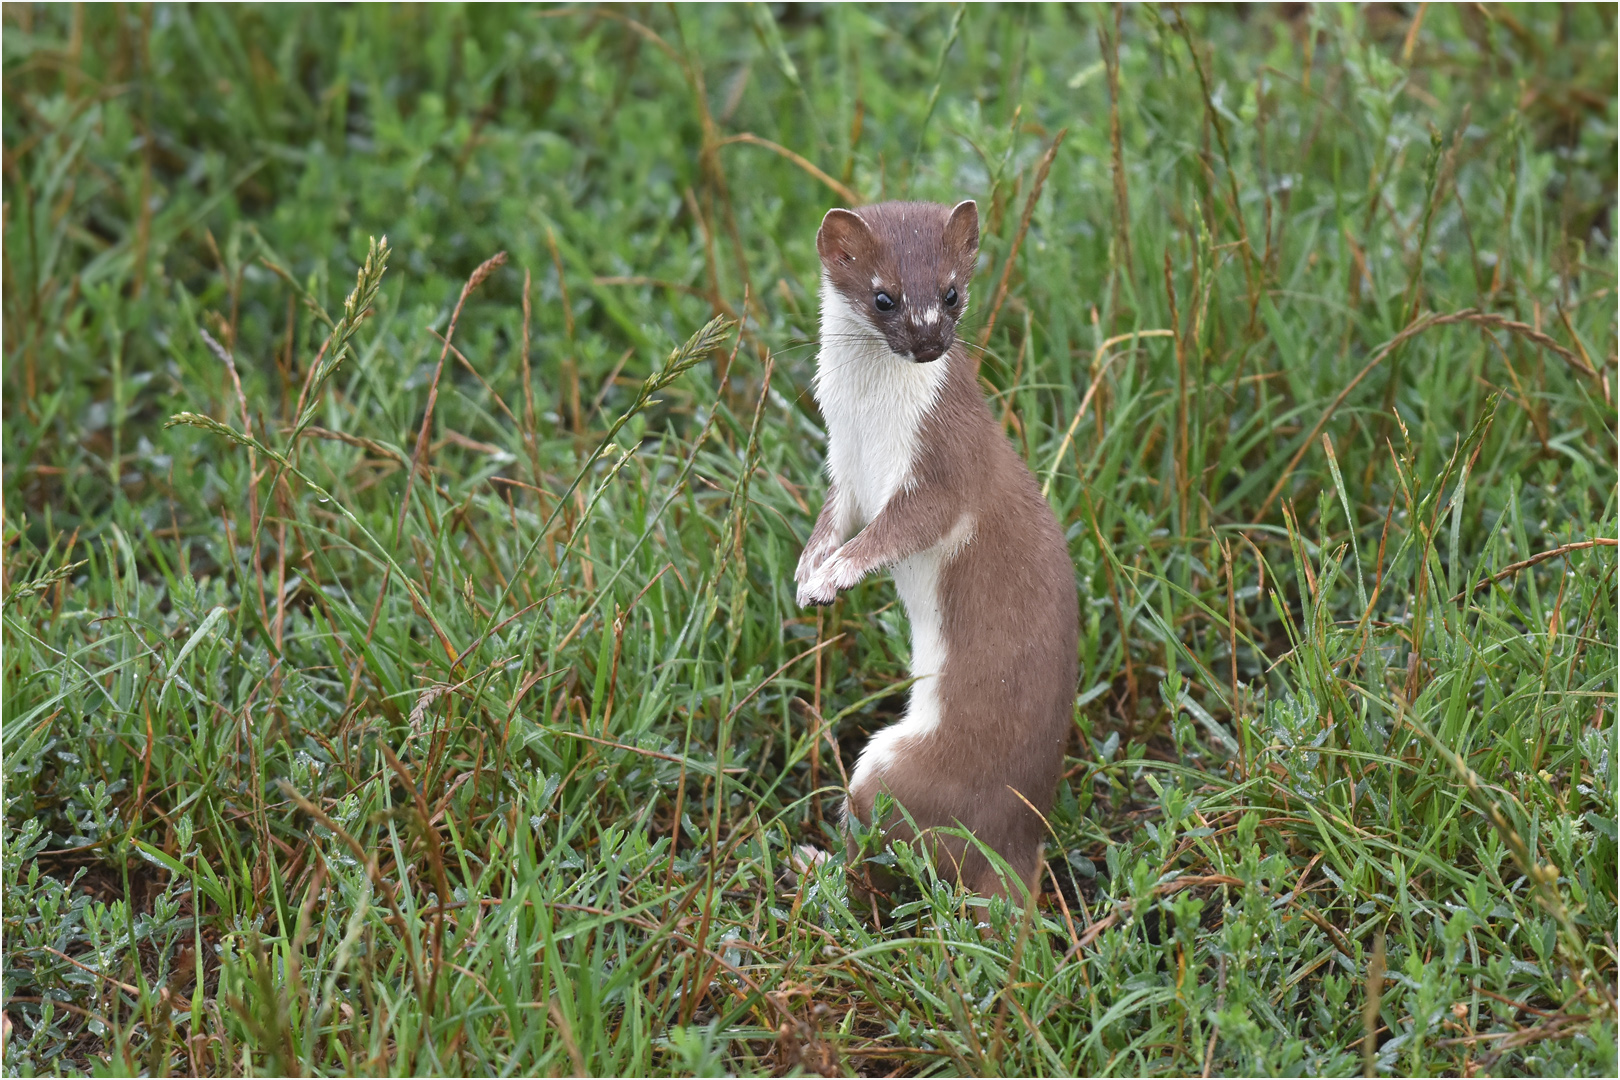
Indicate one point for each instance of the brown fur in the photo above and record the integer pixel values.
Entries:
(918, 251)
(1006, 596)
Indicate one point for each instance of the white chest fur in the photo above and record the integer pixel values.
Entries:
(916, 579)
(873, 402)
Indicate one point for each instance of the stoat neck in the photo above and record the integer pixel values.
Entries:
(873, 403)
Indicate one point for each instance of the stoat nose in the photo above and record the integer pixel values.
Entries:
(922, 354)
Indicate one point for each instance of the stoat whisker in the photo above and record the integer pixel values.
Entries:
(873, 339)
(788, 350)
(973, 347)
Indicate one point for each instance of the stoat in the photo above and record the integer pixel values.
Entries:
(923, 481)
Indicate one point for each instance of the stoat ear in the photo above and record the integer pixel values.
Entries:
(962, 231)
(843, 238)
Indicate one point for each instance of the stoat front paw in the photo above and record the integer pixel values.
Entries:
(815, 553)
(825, 582)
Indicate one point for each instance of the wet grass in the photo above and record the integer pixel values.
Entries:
(402, 673)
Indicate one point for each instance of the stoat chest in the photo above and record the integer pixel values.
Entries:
(874, 404)
(917, 579)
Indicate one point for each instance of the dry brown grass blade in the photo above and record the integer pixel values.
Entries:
(1412, 32)
(562, 282)
(461, 358)
(430, 840)
(1233, 198)
(1122, 197)
(103, 976)
(374, 872)
(1417, 326)
(1018, 240)
(530, 438)
(1540, 557)
(485, 268)
(1561, 1026)
(254, 516)
(1369, 1011)
(843, 191)
(1094, 931)
(660, 283)
(371, 446)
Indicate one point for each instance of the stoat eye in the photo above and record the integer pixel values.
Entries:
(884, 301)
(950, 297)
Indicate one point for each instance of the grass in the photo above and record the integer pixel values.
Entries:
(402, 673)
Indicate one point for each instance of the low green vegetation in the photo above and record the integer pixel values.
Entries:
(401, 667)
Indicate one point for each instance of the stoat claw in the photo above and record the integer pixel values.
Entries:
(825, 582)
(813, 556)
(813, 594)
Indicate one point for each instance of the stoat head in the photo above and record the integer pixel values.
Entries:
(903, 269)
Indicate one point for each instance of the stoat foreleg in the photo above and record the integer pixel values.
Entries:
(914, 520)
(831, 529)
